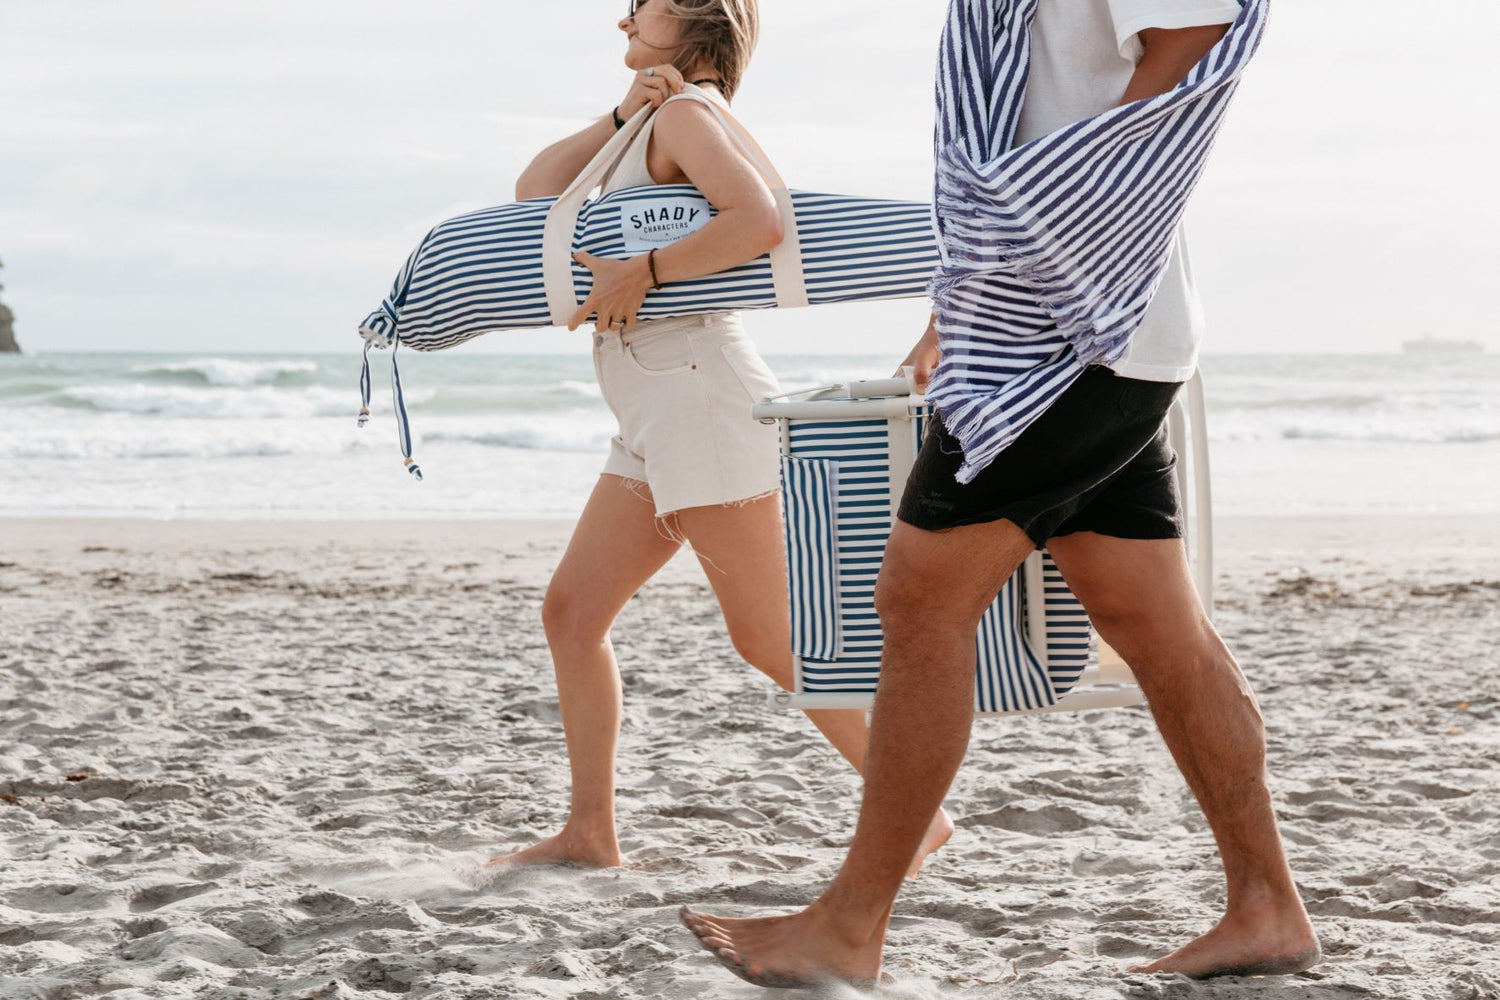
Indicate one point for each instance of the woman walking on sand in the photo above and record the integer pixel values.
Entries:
(689, 463)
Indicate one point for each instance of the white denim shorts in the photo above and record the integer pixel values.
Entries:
(681, 390)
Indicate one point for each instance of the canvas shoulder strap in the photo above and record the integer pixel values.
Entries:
(562, 218)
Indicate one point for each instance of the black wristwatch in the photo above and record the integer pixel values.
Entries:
(615, 113)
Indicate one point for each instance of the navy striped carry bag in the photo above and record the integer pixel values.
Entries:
(511, 267)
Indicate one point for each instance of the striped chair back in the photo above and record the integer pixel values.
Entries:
(846, 453)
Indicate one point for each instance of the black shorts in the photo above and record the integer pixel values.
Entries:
(1096, 460)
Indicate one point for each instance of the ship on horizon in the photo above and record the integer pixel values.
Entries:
(1432, 345)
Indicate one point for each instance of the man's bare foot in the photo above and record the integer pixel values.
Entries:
(566, 847)
(1259, 945)
(798, 951)
(937, 835)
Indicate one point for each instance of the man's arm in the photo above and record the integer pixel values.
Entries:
(1170, 54)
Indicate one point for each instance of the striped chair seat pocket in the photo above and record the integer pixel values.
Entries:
(810, 492)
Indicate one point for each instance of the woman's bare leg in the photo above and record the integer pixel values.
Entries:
(616, 547)
(741, 549)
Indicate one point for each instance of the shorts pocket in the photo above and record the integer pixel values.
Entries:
(753, 375)
(664, 354)
(1139, 399)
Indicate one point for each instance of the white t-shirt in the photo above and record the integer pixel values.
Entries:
(1083, 54)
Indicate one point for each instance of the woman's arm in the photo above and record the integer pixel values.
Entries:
(690, 141)
(555, 167)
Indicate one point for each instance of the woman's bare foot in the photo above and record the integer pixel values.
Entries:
(1261, 942)
(937, 835)
(567, 847)
(797, 951)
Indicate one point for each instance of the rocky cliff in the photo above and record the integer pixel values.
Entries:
(8, 343)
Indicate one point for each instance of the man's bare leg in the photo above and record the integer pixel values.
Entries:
(932, 591)
(1140, 597)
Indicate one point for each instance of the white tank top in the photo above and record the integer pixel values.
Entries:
(630, 169)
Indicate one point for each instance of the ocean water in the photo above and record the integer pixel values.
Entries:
(251, 436)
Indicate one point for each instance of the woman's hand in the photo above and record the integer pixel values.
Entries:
(663, 82)
(924, 358)
(620, 286)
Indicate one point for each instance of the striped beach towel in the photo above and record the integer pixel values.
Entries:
(1052, 250)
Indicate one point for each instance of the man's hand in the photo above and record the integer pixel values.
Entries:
(620, 286)
(924, 358)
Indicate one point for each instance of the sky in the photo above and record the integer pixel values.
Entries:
(178, 175)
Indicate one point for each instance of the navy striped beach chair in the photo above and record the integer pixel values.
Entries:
(846, 451)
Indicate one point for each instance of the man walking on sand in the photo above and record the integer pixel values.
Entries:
(1070, 133)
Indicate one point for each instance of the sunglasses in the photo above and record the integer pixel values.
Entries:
(635, 5)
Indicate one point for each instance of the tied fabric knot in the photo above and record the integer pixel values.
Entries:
(398, 397)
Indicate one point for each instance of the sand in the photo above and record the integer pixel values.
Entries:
(267, 760)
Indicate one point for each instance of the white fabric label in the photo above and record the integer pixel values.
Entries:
(657, 222)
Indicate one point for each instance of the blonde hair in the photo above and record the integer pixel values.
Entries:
(717, 33)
